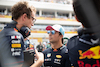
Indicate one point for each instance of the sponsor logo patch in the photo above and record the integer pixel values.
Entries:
(49, 54)
(57, 61)
(58, 56)
(93, 52)
(55, 50)
(15, 41)
(16, 53)
(15, 37)
(49, 59)
(16, 45)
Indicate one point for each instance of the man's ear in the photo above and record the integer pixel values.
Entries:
(76, 18)
(61, 36)
(24, 16)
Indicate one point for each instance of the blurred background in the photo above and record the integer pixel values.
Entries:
(49, 12)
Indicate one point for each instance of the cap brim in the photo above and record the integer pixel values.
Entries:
(49, 27)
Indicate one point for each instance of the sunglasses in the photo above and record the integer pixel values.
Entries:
(52, 32)
(33, 19)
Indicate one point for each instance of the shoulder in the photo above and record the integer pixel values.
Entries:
(47, 50)
(64, 49)
(14, 36)
(72, 42)
(74, 37)
(37, 45)
(10, 31)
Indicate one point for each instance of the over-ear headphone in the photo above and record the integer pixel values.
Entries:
(82, 31)
(25, 31)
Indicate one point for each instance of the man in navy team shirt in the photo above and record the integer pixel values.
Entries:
(56, 55)
(84, 48)
(12, 37)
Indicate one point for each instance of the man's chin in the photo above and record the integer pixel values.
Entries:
(29, 27)
(51, 41)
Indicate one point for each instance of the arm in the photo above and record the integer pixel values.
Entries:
(40, 60)
(66, 58)
(67, 63)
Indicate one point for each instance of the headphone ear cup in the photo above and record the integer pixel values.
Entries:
(25, 31)
(80, 31)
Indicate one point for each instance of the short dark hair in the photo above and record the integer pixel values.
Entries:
(60, 33)
(20, 8)
(62, 38)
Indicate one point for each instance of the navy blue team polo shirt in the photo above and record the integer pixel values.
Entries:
(11, 46)
(56, 57)
(84, 51)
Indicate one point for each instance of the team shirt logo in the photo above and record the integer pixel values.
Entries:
(95, 41)
(15, 37)
(58, 56)
(49, 54)
(16, 45)
(93, 52)
(57, 61)
(15, 29)
(16, 51)
(15, 41)
(55, 50)
(49, 59)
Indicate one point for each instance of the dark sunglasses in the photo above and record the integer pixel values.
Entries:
(52, 32)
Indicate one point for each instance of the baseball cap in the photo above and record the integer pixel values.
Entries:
(56, 27)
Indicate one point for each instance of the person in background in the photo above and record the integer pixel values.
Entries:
(48, 45)
(65, 40)
(26, 43)
(44, 45)
(57, 54)
(39, 47)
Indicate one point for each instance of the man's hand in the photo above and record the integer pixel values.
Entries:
(40, 59)
(39, 56)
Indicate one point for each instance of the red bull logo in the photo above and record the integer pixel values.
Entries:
(93, 52)
(82, 64)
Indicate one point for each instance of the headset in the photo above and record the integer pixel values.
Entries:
(25, 31)
(82, 31)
